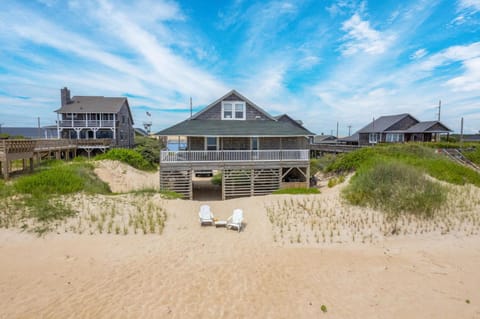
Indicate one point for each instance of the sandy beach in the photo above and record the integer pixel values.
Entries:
(205, 272)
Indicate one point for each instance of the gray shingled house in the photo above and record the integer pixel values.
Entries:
(255, 152)
(397, 128)
(95, 119)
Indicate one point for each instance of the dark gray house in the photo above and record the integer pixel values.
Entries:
(397, 128)
(95, 118)
(256, 152)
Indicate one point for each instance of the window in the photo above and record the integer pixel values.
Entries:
(374, 138)
(211, 143)
(394, 137)
(255, 143)
(123, 118)
(233, 110)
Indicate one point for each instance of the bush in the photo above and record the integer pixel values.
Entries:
(395, 188)
(217, 179)
(130, 157)
(149, 148)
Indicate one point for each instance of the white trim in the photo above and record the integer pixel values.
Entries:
(234, 104)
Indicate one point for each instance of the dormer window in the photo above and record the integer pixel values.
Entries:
(233, 110)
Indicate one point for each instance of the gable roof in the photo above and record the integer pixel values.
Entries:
(426, 127)
(383, 123)
(286, 117)
(211, 105)
(95, 104)
(234, 128)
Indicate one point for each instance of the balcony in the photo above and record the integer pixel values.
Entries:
(233, 156)
(87, 123)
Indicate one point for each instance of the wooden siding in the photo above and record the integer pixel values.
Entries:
(215, 112)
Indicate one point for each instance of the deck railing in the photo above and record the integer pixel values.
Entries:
(49, 144)
(233, 156)
(16, 146)
(87, 123)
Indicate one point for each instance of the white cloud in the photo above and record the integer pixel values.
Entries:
(420, 53)
(361, 37)
(470, 79)
(473, 5)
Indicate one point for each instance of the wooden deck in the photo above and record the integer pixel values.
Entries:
(28, 150)
(245, 172)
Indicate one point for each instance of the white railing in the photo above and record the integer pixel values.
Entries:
(233, 156)
(87, 123)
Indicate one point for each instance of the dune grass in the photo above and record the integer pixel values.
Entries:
(395, 188)
(37, 196)
(424, 158)
(130, 157)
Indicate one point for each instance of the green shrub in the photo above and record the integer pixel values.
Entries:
(396, 188)
(130, 157)
(149, 148)
(335, 181)
(217, 179)
(473, 154)
(297, 191)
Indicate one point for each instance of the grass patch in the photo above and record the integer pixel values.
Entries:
(419, 156)
(297, 191)
(130, 157)
(38, 194)
(63, 178)
(395, 188)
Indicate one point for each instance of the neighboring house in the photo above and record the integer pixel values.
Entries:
(255, 152)
(397, 128)
(31, 132)
(94, 118)
(324, 139)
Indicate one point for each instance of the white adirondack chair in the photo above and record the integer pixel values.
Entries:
(205, 215)
(235, 221)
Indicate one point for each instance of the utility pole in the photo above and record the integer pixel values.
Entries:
(461, 131)
(39, 131)
(439, 109)
(349, 129)
(190, 107)
(337, 130)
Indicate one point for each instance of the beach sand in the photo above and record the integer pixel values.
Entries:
(205, 272)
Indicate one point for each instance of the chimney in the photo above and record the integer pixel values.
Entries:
(65, 96)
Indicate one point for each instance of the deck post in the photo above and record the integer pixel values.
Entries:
(223, 184)
(31, 163)
(5, 169)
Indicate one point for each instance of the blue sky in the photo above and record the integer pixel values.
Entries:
(318, 61)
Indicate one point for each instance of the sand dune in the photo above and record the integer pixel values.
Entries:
(205, 272)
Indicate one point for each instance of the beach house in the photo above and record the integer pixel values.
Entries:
(95, 121)
(397, 128)
(255, 152)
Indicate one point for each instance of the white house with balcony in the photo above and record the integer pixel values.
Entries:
(95, 120)
(255, 152)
